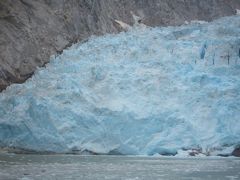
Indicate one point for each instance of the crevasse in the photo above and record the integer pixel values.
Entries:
(142, 92)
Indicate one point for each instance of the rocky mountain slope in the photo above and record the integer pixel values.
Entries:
(32, 30)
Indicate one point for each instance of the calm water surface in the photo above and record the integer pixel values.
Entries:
(57, 167)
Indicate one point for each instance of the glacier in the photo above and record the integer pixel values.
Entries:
(146, 91)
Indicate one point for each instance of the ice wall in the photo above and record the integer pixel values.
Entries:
(143, 92)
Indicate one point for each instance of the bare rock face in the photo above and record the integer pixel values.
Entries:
(236, 152)
(31, 31)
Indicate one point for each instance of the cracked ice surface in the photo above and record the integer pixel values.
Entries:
(145, 91)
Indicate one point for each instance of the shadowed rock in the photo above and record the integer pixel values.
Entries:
(236, 152)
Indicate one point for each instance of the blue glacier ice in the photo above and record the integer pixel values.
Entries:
(143, 92)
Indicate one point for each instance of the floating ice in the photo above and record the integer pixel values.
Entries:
(143, 92)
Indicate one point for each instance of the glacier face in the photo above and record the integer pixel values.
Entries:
(142, 92)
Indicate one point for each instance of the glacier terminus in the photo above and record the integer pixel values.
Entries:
(147, 91)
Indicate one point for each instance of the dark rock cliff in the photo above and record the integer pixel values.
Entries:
(32, 30)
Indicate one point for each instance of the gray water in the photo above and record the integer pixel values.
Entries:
(57, 167)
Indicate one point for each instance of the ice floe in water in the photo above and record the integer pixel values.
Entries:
(142, 92)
